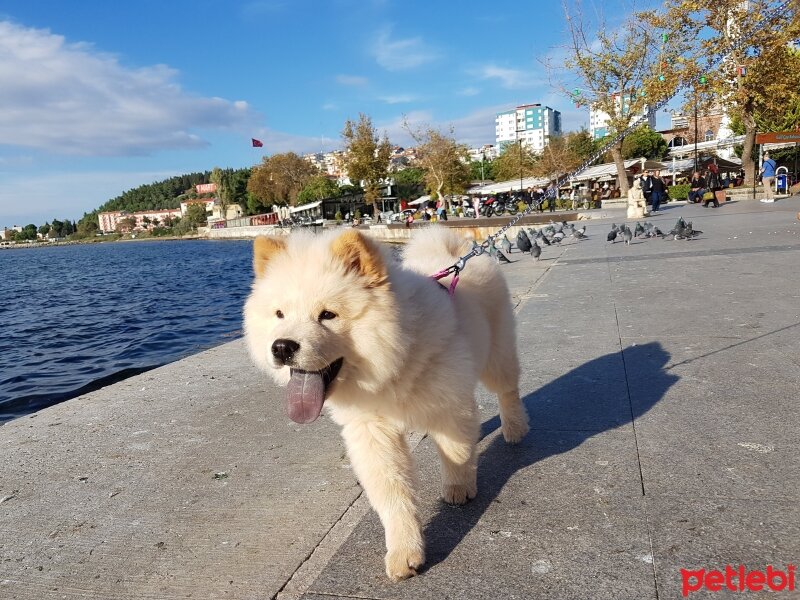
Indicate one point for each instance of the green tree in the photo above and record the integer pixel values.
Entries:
(28, 233)
(409, 183)
(44, 229)
(196, 215)
(280, 178)
(643, 141)
(481, 170)
(704, 31)
(515, 161)
(126, 225)
(366, 156)
(618, 69)
(318, 187)
(444, 160)
(581, 144)
(87, 229)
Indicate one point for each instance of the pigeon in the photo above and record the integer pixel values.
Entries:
(579, 233)
(506, 243)
(612, 235)
(543, 237)
(638, 229)
(536, 251)
(497, 254)
(558, 237)
(627, 236)
(523, 243)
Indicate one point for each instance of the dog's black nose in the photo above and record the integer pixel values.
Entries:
(283, 350)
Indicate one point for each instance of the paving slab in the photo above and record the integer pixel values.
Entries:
(712, 533)
(661, 380)
(185, 481)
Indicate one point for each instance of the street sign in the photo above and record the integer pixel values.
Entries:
(778, 137)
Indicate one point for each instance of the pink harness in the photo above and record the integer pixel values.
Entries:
(444, 273)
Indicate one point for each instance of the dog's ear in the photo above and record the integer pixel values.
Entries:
(362, 256)
(265, 247)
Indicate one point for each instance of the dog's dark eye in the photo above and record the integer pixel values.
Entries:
(325, 315)
(279, 314)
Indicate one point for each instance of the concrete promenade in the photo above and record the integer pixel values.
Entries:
(662, 384)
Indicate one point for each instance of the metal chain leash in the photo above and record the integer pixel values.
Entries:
(479, 249)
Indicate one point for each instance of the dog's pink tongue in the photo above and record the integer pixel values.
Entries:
(304, 396)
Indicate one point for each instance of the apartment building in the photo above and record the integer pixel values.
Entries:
(533, 124)
(599, 119)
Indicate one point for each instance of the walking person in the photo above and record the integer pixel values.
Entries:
(552, 194)
(712, 185)
(767, 177)
(647, 187)
(658, 190)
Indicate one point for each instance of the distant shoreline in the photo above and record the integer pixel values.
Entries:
(91, 241)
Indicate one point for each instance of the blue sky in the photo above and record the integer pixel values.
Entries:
(97, 97)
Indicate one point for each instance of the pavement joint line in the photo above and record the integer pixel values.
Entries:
(320, 555)
(635, 436)
(744, 341)
(314, 563)
(528, 294)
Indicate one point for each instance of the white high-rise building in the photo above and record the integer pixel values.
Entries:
(531, 123)
(598, 119)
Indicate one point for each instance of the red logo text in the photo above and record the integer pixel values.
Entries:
(738, 580)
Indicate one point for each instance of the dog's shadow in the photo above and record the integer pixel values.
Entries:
(576, 403)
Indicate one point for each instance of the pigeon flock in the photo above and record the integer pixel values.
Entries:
(532, 241)
(681, 231)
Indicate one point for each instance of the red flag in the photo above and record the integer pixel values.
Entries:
(257, 143)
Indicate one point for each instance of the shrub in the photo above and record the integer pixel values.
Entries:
(678, 192)
(338, 216)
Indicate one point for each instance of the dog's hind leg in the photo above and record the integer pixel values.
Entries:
(456, 446)
(383, 464)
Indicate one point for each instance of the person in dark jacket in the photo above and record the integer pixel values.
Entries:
(697, 187)
(658, 191)
(712, 185)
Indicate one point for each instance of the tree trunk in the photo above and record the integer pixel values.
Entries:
(622, 177)
(439, 196)
(748, 164)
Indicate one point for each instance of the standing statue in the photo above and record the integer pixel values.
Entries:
(637, 206)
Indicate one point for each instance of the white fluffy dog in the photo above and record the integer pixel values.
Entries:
(387, 350)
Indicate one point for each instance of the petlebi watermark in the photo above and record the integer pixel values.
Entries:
(738, 579)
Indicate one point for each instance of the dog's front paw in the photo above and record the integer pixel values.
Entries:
(459, 494)
(514, 432)
(403, 563)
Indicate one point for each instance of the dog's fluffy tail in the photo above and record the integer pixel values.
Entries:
(432, 249)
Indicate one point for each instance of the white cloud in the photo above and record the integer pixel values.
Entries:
(401, 55)
(468, 91)
(398, 98)
(69, 98)
(473, 129)
(329, 106)
(510, 78)
(354, 80)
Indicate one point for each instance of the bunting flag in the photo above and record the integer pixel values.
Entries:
(257, 143)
